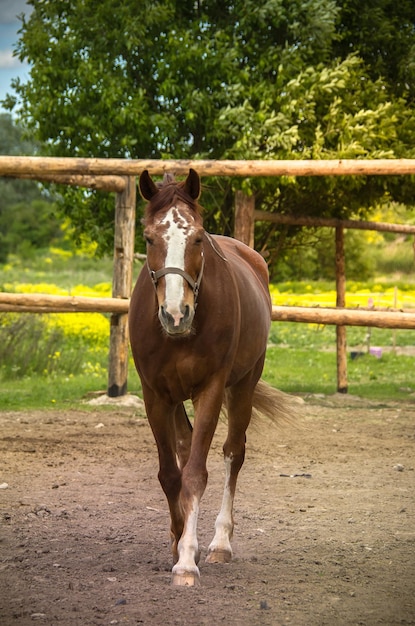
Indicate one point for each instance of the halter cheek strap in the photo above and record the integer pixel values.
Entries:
(194, 284)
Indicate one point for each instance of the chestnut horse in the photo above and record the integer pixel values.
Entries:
(199, 320)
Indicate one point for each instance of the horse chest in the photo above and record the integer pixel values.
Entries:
(182, 373)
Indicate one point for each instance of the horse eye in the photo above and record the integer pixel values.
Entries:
(149, 240)
(198, 241)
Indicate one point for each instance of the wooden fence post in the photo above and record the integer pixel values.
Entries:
(244, 218)
(121, 286)
(341, 302)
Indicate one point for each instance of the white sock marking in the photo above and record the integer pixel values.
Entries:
(224, 524)
(188, 545)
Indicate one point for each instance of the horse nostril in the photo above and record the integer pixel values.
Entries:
(166, 317)
(171, 318)
(175, 321)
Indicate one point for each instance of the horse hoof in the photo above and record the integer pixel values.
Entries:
(185, 579)
(219, 556)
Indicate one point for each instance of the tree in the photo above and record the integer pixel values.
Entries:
(381, 32)
(220, 79)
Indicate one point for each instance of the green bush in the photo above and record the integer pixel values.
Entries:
(397, 257)
(28, 346)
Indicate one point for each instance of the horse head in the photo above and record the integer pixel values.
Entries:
(174, 235)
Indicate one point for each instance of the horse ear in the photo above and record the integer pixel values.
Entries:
(192, 184)
(148, 188)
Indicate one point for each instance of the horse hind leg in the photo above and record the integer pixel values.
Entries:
(239, 401)
(220, 549)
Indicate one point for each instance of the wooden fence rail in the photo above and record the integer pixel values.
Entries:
(379, 318)
(44, 303)
(318, 222)
(15, 166)
(344, 316)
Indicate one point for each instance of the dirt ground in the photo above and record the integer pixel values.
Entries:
(325, 522)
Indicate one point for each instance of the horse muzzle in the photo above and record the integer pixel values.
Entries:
(176, 322)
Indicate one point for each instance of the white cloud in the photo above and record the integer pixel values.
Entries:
(7, 60)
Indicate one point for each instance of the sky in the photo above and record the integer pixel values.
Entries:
(10, 66)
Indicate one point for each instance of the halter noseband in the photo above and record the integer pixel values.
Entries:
(194, 284)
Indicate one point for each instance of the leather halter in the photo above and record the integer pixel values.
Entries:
(194, 284)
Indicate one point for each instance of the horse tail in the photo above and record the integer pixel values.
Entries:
(275, 405)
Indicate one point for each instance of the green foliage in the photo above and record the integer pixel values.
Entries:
(25, 228)
(14, 141)
(311, 256)
(383, 35)
(40, 392)
(29, 347)
(28, 217)
(238, 79)
(397, 257)
(65, 268)
(313, 371)
(323, 338)
(59, 392)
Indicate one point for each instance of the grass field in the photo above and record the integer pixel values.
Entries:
(57, 359)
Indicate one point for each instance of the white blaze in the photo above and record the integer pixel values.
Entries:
(176, 238)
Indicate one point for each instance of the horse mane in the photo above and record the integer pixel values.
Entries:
(169, 192)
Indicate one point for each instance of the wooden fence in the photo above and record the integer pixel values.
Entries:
(118, 175)
(374, 317)
(36, 167)
(244, 230)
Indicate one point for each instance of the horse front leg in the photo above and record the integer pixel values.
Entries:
(239, 404)
(161, 417)
(194, 480)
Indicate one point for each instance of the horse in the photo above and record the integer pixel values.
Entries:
(199, 319)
